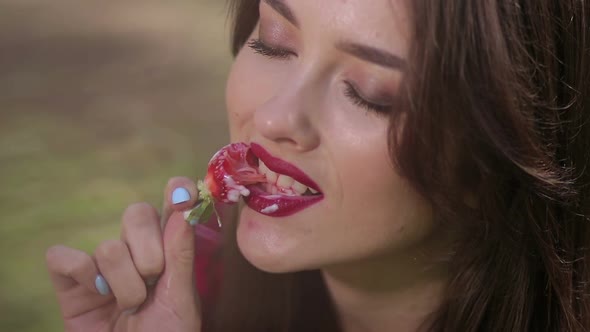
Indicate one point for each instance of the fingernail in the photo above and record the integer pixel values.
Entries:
(180, 195)
(131, 311)
(101, 285)
(193, 222)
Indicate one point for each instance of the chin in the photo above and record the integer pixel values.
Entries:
(266, 245)
(265, 262)
(260, 252)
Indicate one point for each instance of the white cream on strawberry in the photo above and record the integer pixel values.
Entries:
(235, 190)
(279, 184)
(270, 209)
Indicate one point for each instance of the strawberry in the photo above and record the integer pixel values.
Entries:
(229, 172)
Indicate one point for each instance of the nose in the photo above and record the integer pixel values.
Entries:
(288, 119)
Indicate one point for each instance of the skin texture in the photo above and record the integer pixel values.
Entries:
(149, 270)
(372, 234)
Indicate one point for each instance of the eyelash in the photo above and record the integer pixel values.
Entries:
(358, 100)
(260, 47)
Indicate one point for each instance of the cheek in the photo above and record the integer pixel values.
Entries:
(393, 213)
(239, 97)
(251, 83)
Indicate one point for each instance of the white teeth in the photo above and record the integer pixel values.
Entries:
(285, 181)
(299, 188)
(262, 168)
(271, 177)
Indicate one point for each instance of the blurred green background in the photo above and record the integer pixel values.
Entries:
(100, 103)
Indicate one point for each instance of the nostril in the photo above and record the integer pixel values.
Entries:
(284, 125)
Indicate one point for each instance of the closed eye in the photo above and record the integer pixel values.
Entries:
(351, 92)
(273, 52)
(262, 48)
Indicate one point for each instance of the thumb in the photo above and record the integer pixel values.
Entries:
(177, 283)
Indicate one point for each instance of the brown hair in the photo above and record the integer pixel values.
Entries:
(497, 99)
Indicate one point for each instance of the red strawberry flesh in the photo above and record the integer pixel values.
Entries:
(230, 170)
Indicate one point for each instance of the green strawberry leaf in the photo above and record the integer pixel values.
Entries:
(202, 212)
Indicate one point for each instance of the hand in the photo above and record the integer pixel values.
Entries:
(147, 275)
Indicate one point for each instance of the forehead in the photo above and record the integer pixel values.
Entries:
(380, 23)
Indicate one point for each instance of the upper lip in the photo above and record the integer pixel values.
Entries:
(283, 167)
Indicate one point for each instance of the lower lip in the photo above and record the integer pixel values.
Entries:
(278, 205)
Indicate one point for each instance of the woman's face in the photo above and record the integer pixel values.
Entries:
(312, 88)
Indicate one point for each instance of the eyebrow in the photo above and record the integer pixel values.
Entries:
(372, 54)
(364, 52)
(281, 7)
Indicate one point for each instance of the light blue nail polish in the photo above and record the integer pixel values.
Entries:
(131, 311)
(101, 285)
(193, 222)
(180, 195)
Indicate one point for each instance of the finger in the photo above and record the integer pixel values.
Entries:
(69, 267)
(142, 234)
(180, 194)
(115, 265)
(178, 276)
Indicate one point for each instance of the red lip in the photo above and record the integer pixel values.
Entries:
(262, 202)
(279, 205)
(282, 167)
